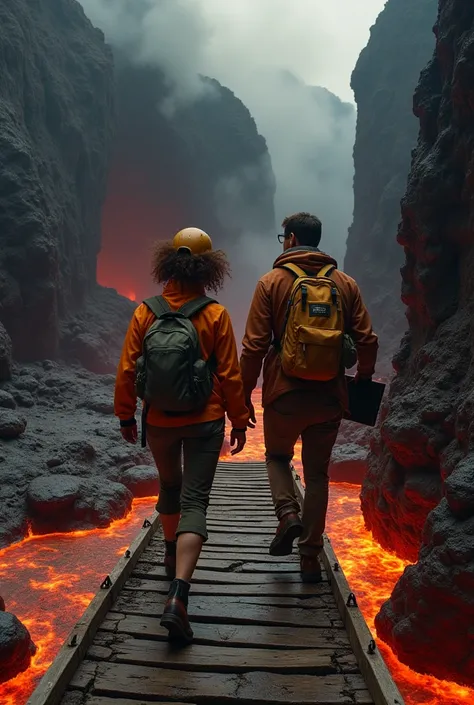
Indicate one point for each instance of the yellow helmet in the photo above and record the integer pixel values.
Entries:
(194, 240)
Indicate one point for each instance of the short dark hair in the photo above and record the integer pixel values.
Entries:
(306, 228)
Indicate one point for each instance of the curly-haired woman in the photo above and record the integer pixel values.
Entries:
(188, 266)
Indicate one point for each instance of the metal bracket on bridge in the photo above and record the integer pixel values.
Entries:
(371, 647)
(351, 600)
(73, 641)
(146, 524)
(127, 553)
(106, 584)
(336, 567)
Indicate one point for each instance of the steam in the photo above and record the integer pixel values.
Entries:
(276, 57)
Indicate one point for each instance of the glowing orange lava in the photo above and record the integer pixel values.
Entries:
(371, 572)
(48, 581)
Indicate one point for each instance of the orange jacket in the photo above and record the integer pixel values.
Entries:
(216, 335)
(266, 320)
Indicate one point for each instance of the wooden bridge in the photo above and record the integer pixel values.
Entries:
(261, 636)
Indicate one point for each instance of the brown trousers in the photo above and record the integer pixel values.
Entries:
(296, 414)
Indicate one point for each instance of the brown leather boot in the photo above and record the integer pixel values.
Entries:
(170, 559)
(289, 529)
(175, 615)
(310, 569)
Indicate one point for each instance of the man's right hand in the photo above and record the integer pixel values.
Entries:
(252, 420)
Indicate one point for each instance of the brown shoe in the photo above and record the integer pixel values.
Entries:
(170, 559)
(289, 529)
(175, 615)
(310, 569)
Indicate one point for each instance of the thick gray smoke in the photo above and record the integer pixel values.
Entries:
(268, 52)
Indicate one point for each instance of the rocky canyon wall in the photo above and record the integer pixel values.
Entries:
(418, 497)
(204, 163)
(56, 123)
(384, 79)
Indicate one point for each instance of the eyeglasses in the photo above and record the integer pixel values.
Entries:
(282, 237)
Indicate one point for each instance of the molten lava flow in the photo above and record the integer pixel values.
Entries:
(48, 581)
(371, 572)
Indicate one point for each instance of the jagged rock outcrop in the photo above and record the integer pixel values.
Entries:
(205, 165)
(69, 468)
(56, 121)
(93, 336)
(16, 646)
(6, 354)
(425, 450)
(385, 77)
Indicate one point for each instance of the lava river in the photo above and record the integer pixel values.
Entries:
(48, 581)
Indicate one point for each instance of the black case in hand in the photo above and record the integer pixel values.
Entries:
(365, 398)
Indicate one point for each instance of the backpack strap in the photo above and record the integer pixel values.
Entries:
(297, 271)
(190, 308)
(326, 271)
(157, 305)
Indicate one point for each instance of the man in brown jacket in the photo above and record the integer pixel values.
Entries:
(293, 407)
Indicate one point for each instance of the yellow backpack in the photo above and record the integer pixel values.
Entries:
(312, 343)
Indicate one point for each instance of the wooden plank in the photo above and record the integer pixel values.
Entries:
(160, 683)
(72, 699)
(307, 602)
(235, 564)
(227, 554)
(243, 514)
(217, 611)
(236, 482)
(231, 635)
(53, 684)
(295, 589)
(372, 665)
(261, 551)
(251, 487)
(219, 538)
(218, 528)
(211, 547)
(231, 539)
(257, 491)
(148, 570)
(263, 557)
(251, 504)
(199, 657)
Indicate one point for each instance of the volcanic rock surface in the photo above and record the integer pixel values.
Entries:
(70, 469)
(419, 495)
(203, 164)
(384, 79)
(16, 647)
(6, 355)
(56, 123)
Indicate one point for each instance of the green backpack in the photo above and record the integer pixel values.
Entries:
(170, 374)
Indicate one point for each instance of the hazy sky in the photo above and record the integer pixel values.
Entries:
(270, 53)
(319, 40)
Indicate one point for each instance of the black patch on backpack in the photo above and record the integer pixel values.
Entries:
(320, 310)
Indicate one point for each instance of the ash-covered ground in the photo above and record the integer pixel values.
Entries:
(63, 463)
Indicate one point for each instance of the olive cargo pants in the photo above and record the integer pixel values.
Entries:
(186, 489)
(299, 413)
